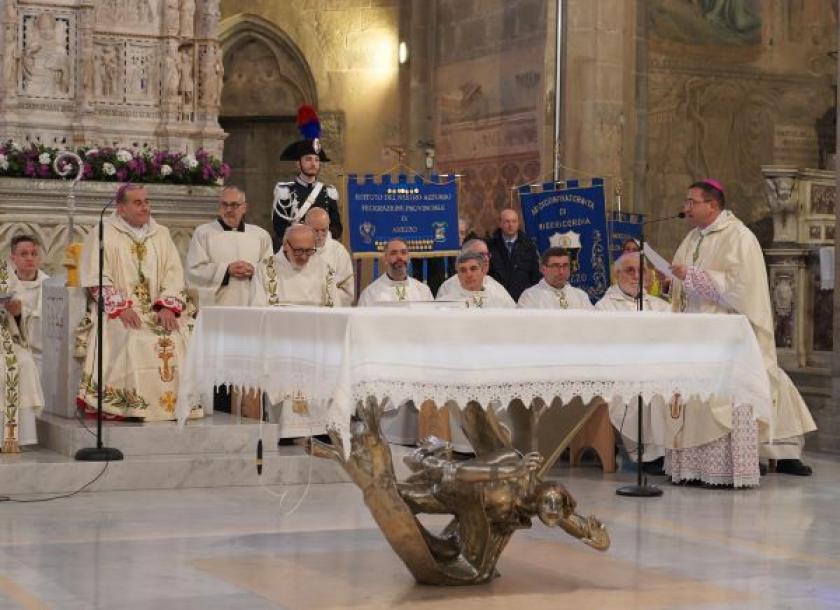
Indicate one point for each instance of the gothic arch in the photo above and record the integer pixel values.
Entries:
(266, 74)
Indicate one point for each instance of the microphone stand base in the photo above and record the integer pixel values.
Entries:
(639, 491)
(99, 454)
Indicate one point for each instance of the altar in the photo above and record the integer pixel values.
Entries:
(335, 358)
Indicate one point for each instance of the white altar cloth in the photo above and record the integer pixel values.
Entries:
(335, 357)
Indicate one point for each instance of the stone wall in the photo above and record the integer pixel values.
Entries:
(490, 107)
(338, 55)
(731, 90)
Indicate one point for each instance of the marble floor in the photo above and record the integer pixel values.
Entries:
(317, 548)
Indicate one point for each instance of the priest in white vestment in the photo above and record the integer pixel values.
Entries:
(720, 268)
(554, 290)
(395, 285)
(334, 254)
(294, 276)
(398, 425)
(452, 284)
(471, 290)
(623, 295)
(146, 322)
(223, 254)
(21, 397)
(26, 260)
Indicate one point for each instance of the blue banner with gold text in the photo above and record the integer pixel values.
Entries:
(422, 212)
(574, 217)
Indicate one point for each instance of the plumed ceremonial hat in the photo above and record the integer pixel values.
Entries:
(310, 128)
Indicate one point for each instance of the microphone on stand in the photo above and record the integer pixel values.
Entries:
(641, 489)
(100, 453)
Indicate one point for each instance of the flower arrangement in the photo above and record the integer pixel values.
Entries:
(116, 164)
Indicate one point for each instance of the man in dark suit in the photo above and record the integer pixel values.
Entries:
(514, 260)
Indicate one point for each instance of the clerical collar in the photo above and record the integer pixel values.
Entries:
(225, 227)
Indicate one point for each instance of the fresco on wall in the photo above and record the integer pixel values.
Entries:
(707, 22)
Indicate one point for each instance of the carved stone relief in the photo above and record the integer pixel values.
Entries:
(823, 199)
(783, 204)
(256, 82)
(104, 72)
(47, 56)
(128, 15)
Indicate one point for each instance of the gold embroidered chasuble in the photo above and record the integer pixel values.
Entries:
(142, 271)
(731, 257)
(21, 397)
(278, 282)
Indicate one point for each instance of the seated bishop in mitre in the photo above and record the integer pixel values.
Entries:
(146, 324)
(294, 276)
(21, 398)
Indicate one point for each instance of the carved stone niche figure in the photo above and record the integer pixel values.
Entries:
(186, 84)
(212, 72)
(11, 57)
(46, 66)
(172, 17)
(108, 72)
(187, 19)
(172, 71)
(783, 202)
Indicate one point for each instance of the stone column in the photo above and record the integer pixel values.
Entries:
(9, 52)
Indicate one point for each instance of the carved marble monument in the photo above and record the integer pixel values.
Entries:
(803, 205)
(111, 72)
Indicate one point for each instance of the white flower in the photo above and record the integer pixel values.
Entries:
(91, 152)
(16, 147)
(4, 163)
(44, 158)
(220, 181)
(165, 170)
(190, 161)
(109, 169)
(124, 155)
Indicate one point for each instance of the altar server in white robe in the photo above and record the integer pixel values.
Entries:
(399, 425)
(452, 284)
(395, 285)
(334, 254)
(224, 253)
(146, 323)
(471, 290)
(26, 259)
(554, 290)
(623, 295)
(294, 276)
(21, 397)
(720, 268)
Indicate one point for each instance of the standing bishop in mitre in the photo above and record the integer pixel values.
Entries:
(395, 285)
(223, 254)
(21, 397)
(333, 252)
(721, 270)
(146, 325)
(294, 276)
